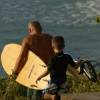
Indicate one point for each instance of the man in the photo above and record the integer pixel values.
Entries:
(36, 42)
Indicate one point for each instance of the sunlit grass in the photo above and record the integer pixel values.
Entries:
(80, 86)
(10, 90)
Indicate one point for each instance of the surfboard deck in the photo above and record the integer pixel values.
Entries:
(32, 69)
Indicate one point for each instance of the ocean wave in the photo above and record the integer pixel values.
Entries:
(66, 12)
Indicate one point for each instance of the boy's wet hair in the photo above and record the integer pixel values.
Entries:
(37, 25)
(59, 42)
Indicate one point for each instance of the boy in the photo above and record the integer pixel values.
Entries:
(57, 68)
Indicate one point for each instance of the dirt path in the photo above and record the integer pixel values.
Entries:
(83, 96)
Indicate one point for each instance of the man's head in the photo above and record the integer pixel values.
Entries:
(34, 27)
(58, 43)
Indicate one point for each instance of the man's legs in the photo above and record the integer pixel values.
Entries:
(37, 95)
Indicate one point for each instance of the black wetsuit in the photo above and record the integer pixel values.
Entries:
(58, 66)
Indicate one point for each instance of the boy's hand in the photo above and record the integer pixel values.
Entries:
(38, 79)
(79, 62)
(46, 72)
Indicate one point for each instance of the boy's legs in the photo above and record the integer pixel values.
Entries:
(51, 97)
(56, 97)
(46, 97)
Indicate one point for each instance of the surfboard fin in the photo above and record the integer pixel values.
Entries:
(34, 86)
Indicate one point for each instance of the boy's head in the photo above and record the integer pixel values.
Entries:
(34, 27)
(58, 43)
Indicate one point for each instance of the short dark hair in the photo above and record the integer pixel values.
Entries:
(37, 25)
(59, 42)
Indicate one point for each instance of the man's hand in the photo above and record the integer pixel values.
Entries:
(13, 76)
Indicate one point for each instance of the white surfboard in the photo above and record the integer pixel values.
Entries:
(33, 68)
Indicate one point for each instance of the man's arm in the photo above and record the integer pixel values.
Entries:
(22, 57)
(43, 75)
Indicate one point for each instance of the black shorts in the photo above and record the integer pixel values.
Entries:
(56, 89)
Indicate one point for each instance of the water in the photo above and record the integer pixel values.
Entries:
(73, 19)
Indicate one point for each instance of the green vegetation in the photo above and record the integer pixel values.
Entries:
(10, 90)
(80, 86)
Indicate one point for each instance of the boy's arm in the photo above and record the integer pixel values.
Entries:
(43, 75)
(49, 67)
(72, 63)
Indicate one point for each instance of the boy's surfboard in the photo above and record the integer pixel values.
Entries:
(33, 68)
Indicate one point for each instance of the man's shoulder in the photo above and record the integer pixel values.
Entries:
(46, 35)
(26, 39)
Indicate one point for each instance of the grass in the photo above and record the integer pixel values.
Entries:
(80, 86)
(10, 90)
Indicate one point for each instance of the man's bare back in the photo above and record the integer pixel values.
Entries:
(36, 42)
(41, 46)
